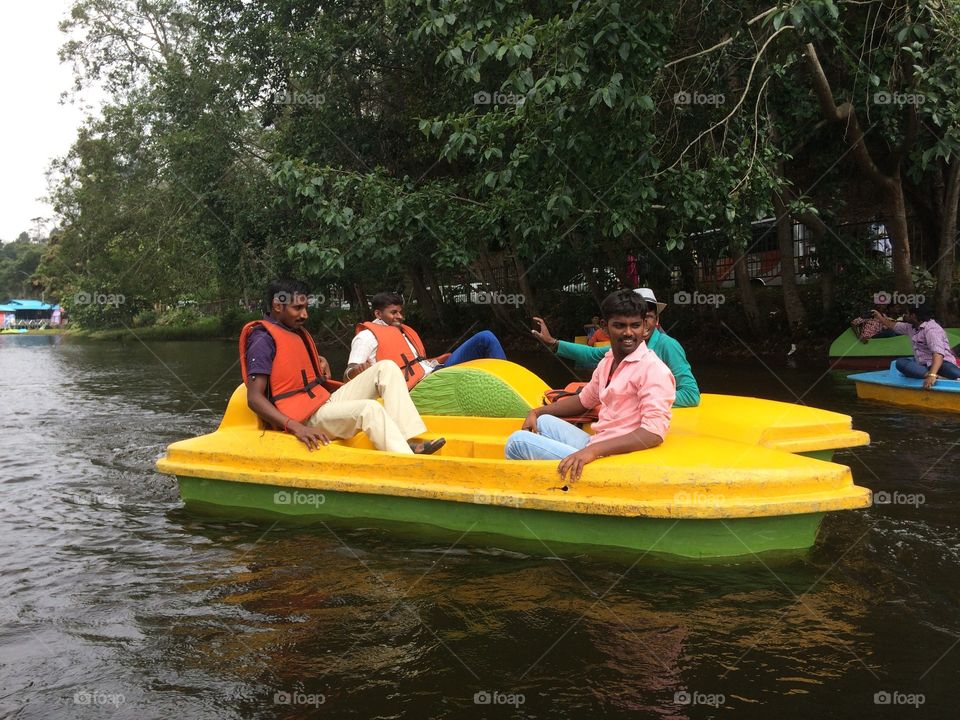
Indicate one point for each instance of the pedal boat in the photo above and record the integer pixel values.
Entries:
(891, 386)
(498, 388)
(848, 353)
(698, 495)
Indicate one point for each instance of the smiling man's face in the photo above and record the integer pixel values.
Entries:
(391, 315)
(627, 332)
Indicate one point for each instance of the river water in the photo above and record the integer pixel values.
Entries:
(117, 602)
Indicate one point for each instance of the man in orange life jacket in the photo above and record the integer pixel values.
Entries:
(387, 338)
(288, 387)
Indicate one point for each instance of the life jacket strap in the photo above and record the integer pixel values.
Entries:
(408, 365)
(307, 388)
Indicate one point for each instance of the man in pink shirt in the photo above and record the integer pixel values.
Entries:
(933, 357)
(635, 390)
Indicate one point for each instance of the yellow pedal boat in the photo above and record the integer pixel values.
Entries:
(498, 388)
(713, 489)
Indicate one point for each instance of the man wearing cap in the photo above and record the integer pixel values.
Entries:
(664, 346)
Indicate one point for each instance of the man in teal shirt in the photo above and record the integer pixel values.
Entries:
(664, 346)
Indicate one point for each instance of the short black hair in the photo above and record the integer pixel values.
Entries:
(923, 312)
(624, 302)
(285, 290)
(385, 299)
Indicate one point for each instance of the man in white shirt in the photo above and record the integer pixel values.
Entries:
(388, 338)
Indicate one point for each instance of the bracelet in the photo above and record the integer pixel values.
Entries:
(555, 346)
(933, 375)
(286, 424)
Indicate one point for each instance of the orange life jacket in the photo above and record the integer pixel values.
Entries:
(296, 383)
(599, 336)
(391, 345)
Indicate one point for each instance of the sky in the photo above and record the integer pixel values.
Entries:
(34, 126)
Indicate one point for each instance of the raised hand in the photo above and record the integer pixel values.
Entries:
(543, 333)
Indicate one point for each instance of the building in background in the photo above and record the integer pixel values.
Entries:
(19, 313)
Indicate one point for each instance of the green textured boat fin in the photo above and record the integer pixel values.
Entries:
(465, 391)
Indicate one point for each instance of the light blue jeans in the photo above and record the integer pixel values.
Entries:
(555, 440)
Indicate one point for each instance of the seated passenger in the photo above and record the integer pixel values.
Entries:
(665, 347)
(867, 327)
(287, 384)
(591, 327)
(598, 336)
(932, 356)
(635, 391)
(387, 338)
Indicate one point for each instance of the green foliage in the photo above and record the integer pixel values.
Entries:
(365, 146)
(145, 318)
(181, 316)
(19, 261)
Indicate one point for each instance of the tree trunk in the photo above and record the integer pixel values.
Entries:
(688, 267)
(818, 229)
(889, 186)
(895, 220)
(747, 298)
(486, 271)
(435, 292)
(420, 292)
(436, 295)
(360, 296)
(792, 303)
(593, 284)
(529, 301)
(946, 255)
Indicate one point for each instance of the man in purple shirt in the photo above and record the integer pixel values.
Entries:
(933, 357)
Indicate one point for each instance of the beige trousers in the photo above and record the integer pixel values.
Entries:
(353, 407)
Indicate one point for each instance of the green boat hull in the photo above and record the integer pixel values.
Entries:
(684, 537)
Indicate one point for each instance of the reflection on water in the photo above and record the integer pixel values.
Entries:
(118, 601)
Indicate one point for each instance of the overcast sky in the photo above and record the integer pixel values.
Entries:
(34, 126)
